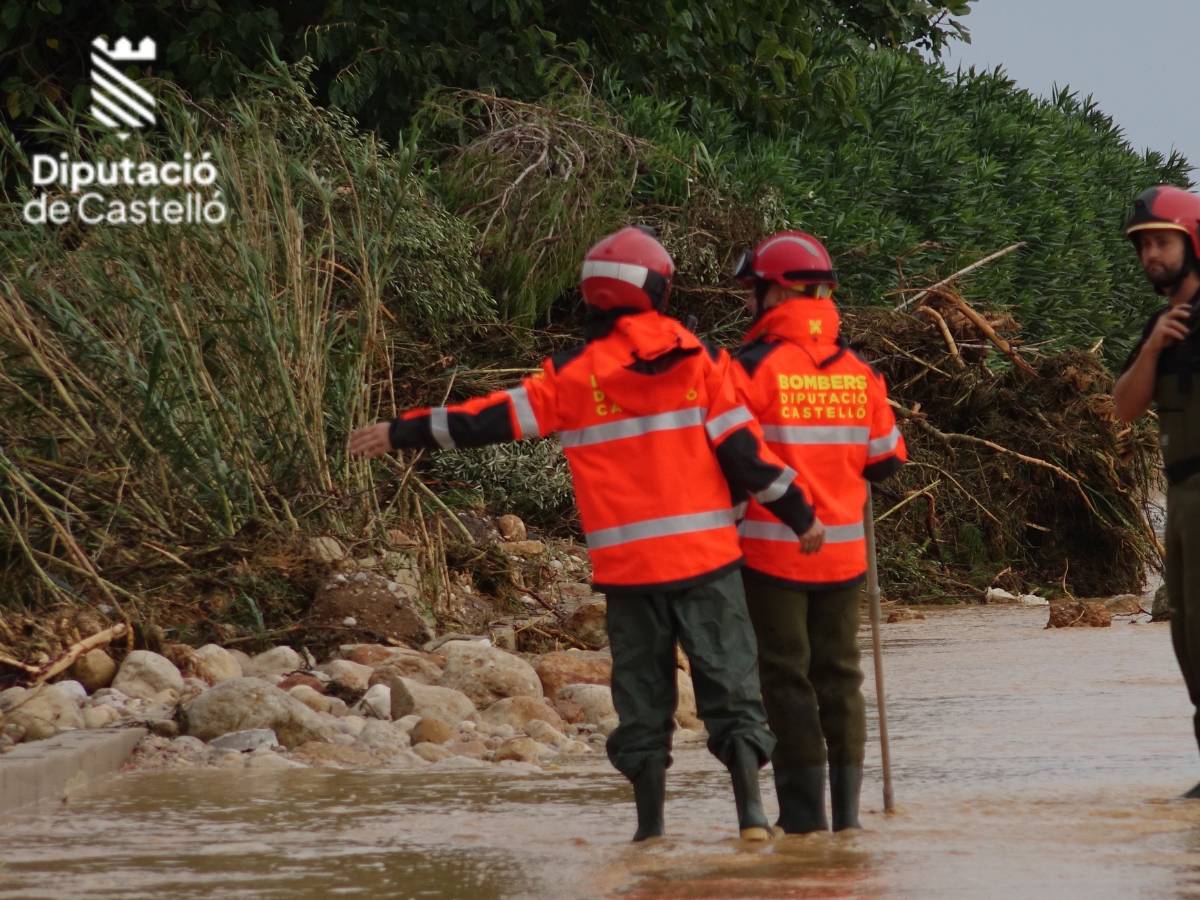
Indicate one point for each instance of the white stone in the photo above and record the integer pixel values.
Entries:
(244, 703)
(377, 702)
(486, 674)
(383, 736)
(44, 712)
(100, 717)
(10, 697)
(595, 702)
(145, 675)
(272, 663)
(350, 677)
(215, 664)
(313, 699)
(444, 703)
(251, 739)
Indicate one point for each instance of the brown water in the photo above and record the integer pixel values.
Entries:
(1028, 763)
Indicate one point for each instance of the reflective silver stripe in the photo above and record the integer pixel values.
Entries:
(664, 527)
(439, 424)
(843, 534)
(777, 531)
(739, 511)
(525, 417)
(599, 268)
(885, 444)
(776, 488)
(625, 428)
(816, 434)
(726, 420)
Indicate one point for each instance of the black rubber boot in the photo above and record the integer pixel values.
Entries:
(801, 794)
(845, 784)
(743, 769)
(650, 795)
(1193, 794)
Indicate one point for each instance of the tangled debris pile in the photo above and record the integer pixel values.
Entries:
(1021, 477)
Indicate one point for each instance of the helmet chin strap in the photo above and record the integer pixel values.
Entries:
(761, 287)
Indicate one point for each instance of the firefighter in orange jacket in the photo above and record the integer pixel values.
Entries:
(654, 436)
(824, 411)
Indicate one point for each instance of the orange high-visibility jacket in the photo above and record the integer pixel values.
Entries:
(654, 435)
(825, 412)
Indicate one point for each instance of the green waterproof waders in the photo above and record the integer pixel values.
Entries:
(812, 689)
(710, 622)
(1183, 583)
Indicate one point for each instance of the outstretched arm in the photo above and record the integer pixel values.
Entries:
(527, 411)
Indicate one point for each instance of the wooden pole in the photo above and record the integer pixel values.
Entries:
(889, 798)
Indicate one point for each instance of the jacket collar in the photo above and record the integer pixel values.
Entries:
(812, 323)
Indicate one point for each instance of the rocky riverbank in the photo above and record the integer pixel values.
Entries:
(465, 703)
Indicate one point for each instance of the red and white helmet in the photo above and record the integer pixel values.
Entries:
(627, 270)
(1166, 207)
(788, 258)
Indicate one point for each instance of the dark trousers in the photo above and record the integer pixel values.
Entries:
(711, 624)
(1183, 584)
(811, 678)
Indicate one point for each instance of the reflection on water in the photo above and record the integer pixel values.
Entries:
(1029, 763)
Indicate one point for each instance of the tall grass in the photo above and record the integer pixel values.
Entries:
(167, 389)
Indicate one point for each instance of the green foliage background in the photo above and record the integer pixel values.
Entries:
(412, 189)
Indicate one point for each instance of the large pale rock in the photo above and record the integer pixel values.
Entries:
(487, 674)
(315, 701)
(100, 717)
(243, 741)
(270, 664)
(145, 675)
(595, 702)
(44, 712)
(423, 667)
(349, 680)
(411, 697)
(383, 737)
(94, 670)
(518, 712)
(587, 623)
(215, 664)
(431, 730)
(244, 703)
(10, 697)
(544, 733)
(563, 667)
(521, 749)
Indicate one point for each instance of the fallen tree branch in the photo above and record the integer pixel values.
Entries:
(988, 331)
(946, 335)
(909, 499)
(961, 272)
(76, 650)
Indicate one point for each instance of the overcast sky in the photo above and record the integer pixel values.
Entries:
(1141, 61)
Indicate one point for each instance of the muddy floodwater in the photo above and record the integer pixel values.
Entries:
(1028, 763)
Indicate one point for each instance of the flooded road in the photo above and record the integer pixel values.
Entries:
(1028, 763)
